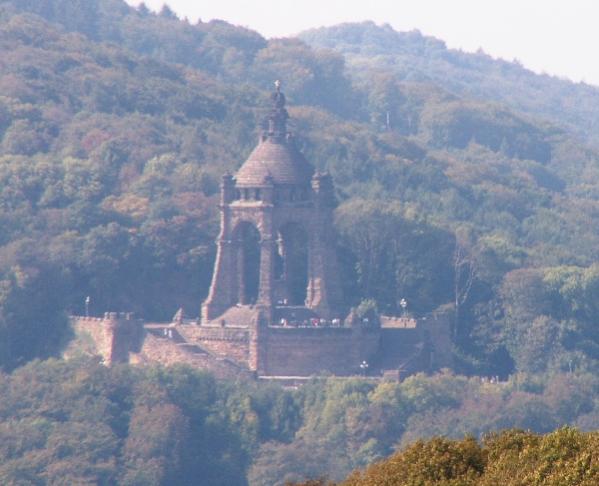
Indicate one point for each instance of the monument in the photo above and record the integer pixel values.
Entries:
(275, 308)
(276, 246)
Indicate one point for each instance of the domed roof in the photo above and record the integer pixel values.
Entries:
(278, 158)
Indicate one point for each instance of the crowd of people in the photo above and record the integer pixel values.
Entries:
(312, 322)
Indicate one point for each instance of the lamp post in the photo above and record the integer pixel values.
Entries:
(364, 367)
(403, 303)
(87, 301)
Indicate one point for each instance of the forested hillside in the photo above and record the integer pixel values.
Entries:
(112, 153)
(413, 57)
(476, 191)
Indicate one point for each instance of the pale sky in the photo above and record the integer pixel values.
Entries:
(559, 37)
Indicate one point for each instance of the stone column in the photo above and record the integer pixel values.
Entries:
(268, 243)
(313, 293)
(324, 286)
(223, 290)
(258, 346)
(265, 292)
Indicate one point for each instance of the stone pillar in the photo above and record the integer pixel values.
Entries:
(258, 348)
(314, 294)
(267, 260)
(324, 286)
(227, 189)
(279, 291)
(223, 289)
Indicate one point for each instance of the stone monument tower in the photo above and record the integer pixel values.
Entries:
(276, 245)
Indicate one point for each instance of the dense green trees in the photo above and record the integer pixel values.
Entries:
(80, 422)
(350, 423)
(110, 159)
(416, 58)
(33, 323)
(116, 125)
(398, 255)
(549, 317)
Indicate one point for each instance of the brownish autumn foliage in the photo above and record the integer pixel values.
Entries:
(565, 457)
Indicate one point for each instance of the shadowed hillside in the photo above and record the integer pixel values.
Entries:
(413, 57)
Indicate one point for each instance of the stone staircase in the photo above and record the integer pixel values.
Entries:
(172, 348)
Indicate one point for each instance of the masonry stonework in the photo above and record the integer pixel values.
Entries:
(275, 306)
(277, 194)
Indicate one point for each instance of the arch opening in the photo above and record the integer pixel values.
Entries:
(293, 255)
(247, 240)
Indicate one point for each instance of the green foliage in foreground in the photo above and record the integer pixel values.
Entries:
(565, 457)
(350, 423)
(79, 422)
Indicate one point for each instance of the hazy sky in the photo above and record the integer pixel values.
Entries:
(558, 37)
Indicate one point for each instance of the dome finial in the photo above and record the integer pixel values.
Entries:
(277, 118)
(278, 97)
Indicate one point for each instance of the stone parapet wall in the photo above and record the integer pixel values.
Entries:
(402, 349)
(398, 322)
(117, 338)
(311, 351)
(394, 336)
(401, 343)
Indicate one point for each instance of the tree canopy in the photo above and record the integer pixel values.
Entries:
(457, 182)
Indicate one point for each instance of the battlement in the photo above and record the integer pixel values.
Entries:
(114, 335)
(109, 318)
